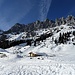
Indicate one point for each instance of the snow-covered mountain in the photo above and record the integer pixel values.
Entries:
(32, 27)
(53, 48)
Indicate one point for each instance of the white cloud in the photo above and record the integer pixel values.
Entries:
(44, 8)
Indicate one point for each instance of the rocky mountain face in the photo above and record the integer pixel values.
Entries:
(69, 20)
(17, 28)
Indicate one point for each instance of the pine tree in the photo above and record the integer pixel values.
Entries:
(34, 43)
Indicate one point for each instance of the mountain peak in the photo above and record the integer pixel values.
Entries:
(42, 24)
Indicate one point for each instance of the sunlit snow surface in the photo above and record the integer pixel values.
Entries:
(56, 60)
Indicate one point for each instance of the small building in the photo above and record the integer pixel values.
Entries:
(31, 54)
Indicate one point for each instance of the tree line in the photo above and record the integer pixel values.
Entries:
(63, 38)
(7, 44)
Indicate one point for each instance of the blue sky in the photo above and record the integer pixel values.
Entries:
(27, 11)
(61, 8)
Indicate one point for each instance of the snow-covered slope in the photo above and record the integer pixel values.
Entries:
(22, 36)
(56, 30)
(16, 37)
(54, 60)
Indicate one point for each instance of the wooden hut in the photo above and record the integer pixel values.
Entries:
(31, 54)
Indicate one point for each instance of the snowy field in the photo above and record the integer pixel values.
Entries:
(35, 66)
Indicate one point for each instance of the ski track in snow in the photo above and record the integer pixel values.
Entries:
(50, 68)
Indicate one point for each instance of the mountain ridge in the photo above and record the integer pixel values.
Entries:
(17, 28)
